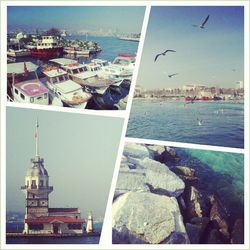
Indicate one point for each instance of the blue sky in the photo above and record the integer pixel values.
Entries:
(125, 19)
(211, 56)
(79, 153)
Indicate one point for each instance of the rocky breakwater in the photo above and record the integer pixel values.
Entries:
(145, 206)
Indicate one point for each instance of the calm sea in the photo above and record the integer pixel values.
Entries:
(111, 47)
(14, 227)
(222, 122)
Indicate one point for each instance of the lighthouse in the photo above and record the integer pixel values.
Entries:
(39, 218)
(90, 228)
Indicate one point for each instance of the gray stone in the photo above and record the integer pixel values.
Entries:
(194, 233)
(238, 232)
(130, 181)
(135, 150)
(183, 170)
(142, 217)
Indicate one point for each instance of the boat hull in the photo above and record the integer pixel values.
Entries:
(47, 52)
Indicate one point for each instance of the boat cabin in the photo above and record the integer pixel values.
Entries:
(23, 84)
(100, 62)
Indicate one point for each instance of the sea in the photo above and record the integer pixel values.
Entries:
(111, 47)
(18, 226)
(219, 173)
(222, 122)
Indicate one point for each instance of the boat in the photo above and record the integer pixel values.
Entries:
(121, 69)
(62, 87)
(76, 51)
(85, 75)
(202, 98)
(24, 85)
(16, 50)
(47, 47)
(131, 37)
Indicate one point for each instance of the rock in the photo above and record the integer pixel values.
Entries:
(214, 237)
(219, 214)
(130, 181)
(238, 232)
(194, 233)
(183, 170)
(193, 203)
(136, 150)
(162, 153)
(189, 180)
(161, 180)
(142, 217)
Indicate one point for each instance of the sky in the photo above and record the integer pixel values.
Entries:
(79, 153)
(213, 56)
(124, 19)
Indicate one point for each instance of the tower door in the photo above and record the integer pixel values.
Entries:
(55, 228)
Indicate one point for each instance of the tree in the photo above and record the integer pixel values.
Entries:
(52, 32)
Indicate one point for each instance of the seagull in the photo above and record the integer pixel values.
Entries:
(170, 76)
(199, 122)
(164, 53)
(202, 26)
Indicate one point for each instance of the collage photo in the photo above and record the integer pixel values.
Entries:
(124, 125)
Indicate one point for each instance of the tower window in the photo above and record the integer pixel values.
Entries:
(41, 183)
(33, 184)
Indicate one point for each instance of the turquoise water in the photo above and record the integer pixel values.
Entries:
(221, 173)
(222, 122)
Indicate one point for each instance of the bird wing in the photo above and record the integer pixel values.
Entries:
(168, 50)
(205, 21)
(157, 56)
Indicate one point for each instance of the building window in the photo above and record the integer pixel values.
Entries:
(74, 226)
(33, 184)
(41, 183)
(36, 226)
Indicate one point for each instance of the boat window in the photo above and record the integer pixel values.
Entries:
(66, 77)
(22, 96)
(59, 93)
(31, 99)
(75, 71)
(61, 78)
(45, 96)
(39, 98)
(80, 70)
(16, 91)
(53, 80)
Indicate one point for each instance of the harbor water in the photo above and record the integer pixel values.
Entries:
(172, 120)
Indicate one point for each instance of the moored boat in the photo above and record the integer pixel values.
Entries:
(24, 85)
(83, 75)
(62, 87)
(48, 46)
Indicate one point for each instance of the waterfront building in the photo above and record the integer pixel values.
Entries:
(39, 217)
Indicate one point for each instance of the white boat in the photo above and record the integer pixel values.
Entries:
(60, 86)
(24, 85)
(76, 51)
(131, 37)
(18, 52)
(83, 75)
(120, 70)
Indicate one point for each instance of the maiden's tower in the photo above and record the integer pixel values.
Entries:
(39, 217)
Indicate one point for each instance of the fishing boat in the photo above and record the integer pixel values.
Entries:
(18, 52)
(62, 87)
(85, 75)
(47, 47)
(131, 37)
(24, 85)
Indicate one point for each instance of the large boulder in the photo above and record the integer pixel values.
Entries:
(143, 217)
(136, 150)
(130, 181)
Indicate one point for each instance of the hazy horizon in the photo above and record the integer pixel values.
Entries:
(124, 19)
(79, 152)
(213, 56)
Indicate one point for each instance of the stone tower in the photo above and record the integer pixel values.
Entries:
(36, 186)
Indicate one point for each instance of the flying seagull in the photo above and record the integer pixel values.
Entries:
(202, 26)
(164, 53)
(170, 76)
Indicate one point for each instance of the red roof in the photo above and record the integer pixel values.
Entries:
(65, 210)
(54, 219)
